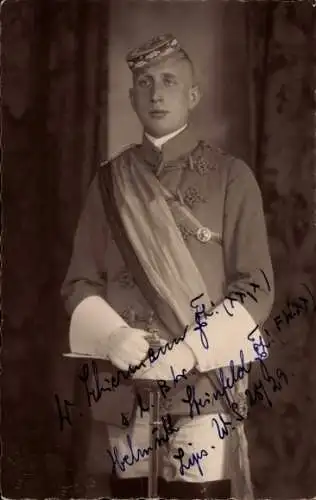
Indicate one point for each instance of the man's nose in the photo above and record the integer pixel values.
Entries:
(156, 93)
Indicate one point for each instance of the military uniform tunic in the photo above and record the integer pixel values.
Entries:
(223, 196)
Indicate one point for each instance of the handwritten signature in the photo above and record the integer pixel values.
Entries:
(200, 316)
(225, 424)
(259, 345)
(194, 460)
(137, 454)
(97, 387)
(226, 383)
(258, 392)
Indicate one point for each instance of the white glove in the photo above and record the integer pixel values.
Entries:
(173, 363)
(127, 347)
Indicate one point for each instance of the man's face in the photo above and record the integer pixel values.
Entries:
(163, 95)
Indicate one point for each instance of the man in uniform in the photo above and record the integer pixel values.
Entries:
(172, 241)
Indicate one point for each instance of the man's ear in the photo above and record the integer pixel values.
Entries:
(131, 98)
(195, 96)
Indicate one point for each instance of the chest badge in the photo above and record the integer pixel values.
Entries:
(204, 234)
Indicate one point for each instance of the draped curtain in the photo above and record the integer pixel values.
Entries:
(55, 89)
(281, 48)
(53, 70)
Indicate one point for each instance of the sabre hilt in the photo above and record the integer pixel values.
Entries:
(153, 339)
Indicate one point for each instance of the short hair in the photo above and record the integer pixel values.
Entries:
(181, 55)
(185, 57)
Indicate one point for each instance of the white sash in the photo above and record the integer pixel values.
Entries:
(156, 239)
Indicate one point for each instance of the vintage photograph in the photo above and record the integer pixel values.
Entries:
(158, 249)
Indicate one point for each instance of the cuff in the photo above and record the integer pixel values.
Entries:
(91, 324)
(220, 336)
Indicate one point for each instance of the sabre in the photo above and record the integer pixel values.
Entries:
(154, 423)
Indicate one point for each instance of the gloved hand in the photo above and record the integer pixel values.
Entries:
(127, 347)
(179, 358)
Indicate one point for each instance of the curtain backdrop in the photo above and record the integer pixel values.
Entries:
(63, 108)
(52, 78)
(282, 55)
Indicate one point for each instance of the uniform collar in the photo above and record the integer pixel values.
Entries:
(160, 141)
(179, 145)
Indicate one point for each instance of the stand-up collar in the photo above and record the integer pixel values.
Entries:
(180, 145)
(160, 141)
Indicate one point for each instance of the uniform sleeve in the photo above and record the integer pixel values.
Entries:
(84, 288)
(235, 324)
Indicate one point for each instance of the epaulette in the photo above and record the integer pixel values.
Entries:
(117, 155)
(206, 158)
(226, 161)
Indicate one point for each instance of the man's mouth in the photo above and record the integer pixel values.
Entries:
(158, 113)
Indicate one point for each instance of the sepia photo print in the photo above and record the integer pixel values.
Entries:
(158, 249)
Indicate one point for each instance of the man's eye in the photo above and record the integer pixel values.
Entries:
(169, 82)
(143, 82)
